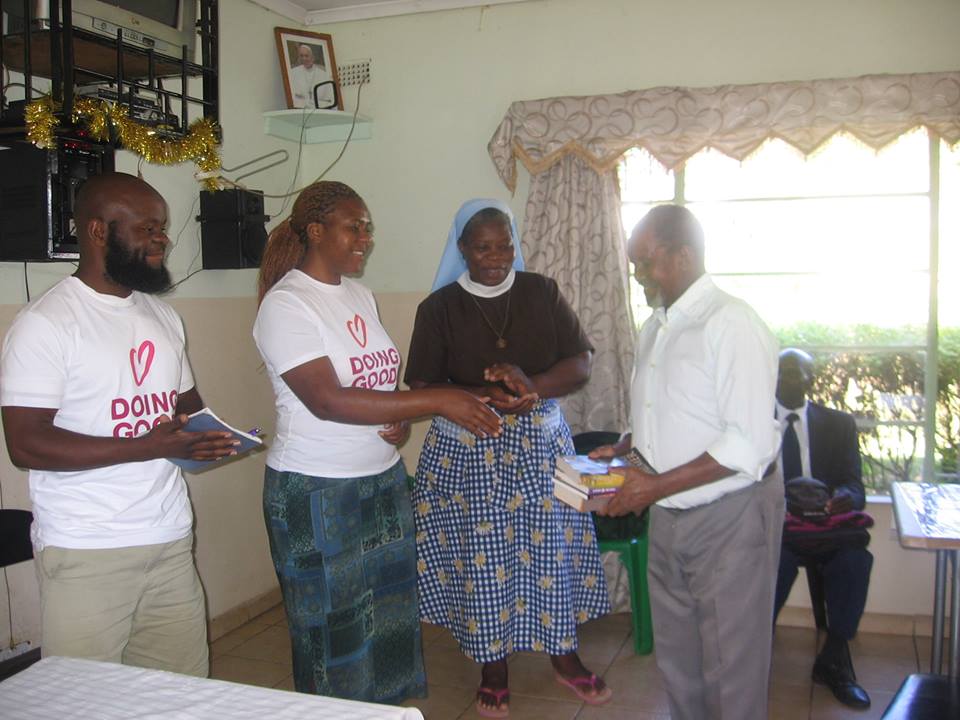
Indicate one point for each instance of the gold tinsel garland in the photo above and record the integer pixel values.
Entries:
(199, 144)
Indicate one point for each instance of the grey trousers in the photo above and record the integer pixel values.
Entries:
(712, 573)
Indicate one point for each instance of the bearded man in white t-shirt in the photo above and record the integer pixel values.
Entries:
(91, 374)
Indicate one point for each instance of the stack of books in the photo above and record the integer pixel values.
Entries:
(587, 485)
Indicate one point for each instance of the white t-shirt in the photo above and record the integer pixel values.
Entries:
(302, 319)
(110, 366)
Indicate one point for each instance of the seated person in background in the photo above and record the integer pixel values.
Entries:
(822, 443)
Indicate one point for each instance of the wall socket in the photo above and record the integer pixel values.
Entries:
(355, 72)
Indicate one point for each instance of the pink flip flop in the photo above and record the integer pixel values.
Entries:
(501, 697)
(586, 689)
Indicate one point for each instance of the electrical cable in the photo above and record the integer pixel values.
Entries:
(329, 167)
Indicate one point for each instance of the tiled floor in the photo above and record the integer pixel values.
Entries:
(258, 653)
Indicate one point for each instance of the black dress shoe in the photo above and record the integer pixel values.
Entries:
(842, 682)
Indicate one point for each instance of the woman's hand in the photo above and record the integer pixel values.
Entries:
(469, 411)
(396, 433)
(508, 403)
(515, 379)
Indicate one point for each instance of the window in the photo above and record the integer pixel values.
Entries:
(838, 252)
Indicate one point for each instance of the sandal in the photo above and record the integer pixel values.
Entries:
(501, 698)
(587, 688)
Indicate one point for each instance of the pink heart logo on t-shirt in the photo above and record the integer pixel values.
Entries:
(140, 361)
(358, 329)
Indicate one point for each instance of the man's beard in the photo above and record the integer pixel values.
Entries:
(130, 270)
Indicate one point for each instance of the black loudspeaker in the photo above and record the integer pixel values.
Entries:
(37, 191)
(232, 232)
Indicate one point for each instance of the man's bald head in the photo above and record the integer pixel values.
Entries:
(102, 197)
(795, 377)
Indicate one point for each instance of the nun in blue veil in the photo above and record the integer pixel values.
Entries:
(501, 563)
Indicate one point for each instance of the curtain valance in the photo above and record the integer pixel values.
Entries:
(674, 123)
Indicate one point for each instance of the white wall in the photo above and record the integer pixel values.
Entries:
(441, 82)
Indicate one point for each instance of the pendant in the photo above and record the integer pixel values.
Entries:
(501, 343)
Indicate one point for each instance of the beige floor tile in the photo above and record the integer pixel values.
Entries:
(794, 639)
(792, 666)
(272, 645)
(274, 616)
(824, 706)
(612, 712)
(924, 646)
(446, 639)
(286, 683)
(443, 703)
(621, 621)
(532, 708)
(258, 653)
(601, 643)
(789, 702)
(532, 675)
(636, 683)
(450, 668)
(880, 673)
(247, 671)
(901, 647)
(430, 632)
(237, 637)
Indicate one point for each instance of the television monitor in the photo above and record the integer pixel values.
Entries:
(163, 25)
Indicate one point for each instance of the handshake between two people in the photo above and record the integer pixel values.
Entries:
(508, 391)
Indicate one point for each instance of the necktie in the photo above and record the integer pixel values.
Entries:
(792, 467)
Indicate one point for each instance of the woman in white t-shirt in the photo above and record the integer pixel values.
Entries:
(335, 496)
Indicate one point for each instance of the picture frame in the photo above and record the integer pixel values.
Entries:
(307, 59)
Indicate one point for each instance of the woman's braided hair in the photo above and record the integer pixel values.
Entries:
(288, 240)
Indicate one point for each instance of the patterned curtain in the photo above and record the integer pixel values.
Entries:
(570, 145)
(675, 123)
(572, 233)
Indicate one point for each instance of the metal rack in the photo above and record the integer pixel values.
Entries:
(72, 57)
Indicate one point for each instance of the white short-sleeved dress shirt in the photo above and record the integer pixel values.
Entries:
(705, 381)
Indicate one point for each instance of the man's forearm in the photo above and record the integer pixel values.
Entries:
(702, 470)
(63, 450)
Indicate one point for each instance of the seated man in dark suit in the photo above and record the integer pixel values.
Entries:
(822, 443)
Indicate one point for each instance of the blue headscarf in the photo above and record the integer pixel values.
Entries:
(452, 264)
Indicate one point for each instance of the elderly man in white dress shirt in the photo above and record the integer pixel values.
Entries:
(702, 401)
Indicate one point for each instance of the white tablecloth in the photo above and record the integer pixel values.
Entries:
(67, 688)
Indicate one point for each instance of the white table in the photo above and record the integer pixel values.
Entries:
(928, 517)
(70, 689)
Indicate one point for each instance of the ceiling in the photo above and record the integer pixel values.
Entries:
(319, 12)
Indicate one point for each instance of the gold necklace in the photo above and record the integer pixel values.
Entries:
(501, 341)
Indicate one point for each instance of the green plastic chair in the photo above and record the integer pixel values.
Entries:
(626, 536)
(633, 555)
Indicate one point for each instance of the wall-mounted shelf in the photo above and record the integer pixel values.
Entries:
(318, 126)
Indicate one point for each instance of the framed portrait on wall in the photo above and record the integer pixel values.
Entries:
(309, 69)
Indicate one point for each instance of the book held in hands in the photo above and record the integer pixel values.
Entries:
(206, 420)
(586, 484)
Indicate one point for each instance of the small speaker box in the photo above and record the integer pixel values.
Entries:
(232, 232)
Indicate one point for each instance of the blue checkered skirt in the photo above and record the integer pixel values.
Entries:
(500, 562)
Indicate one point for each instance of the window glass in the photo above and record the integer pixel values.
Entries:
(833, 251)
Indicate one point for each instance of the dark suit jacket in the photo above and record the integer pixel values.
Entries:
(835, 451)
